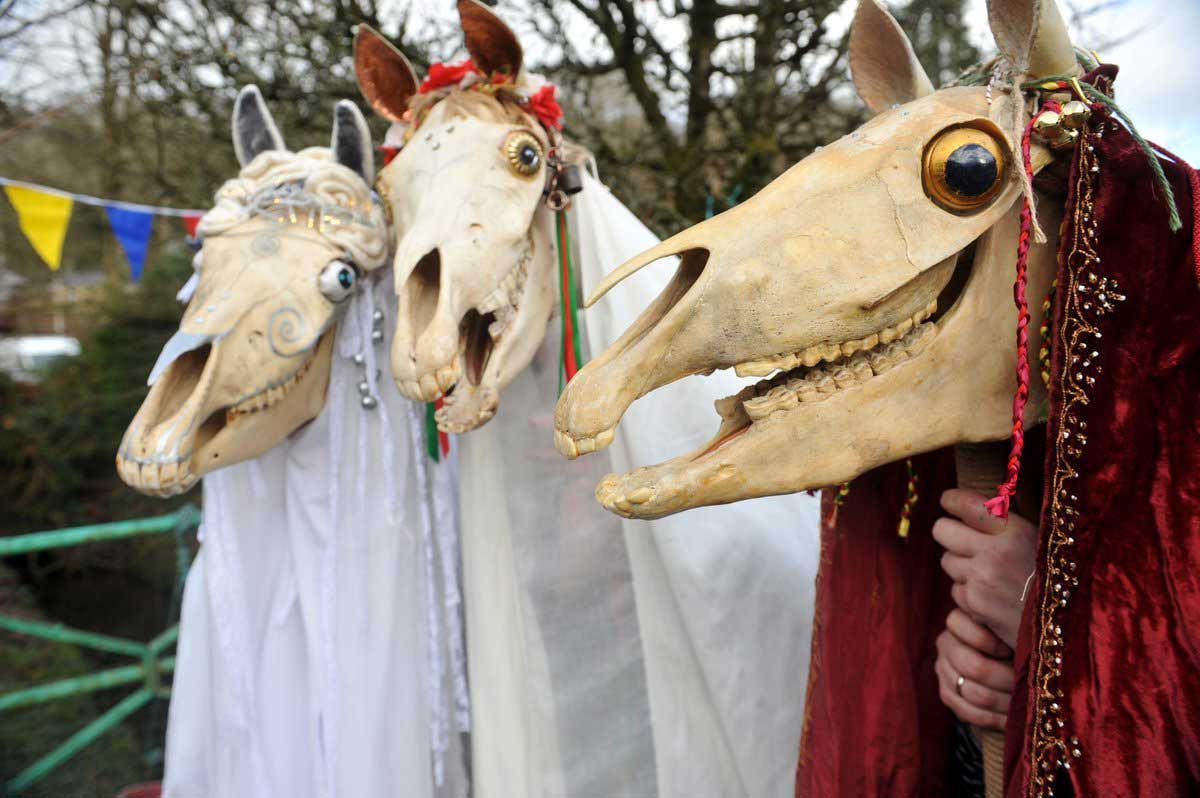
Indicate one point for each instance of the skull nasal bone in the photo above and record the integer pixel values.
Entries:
(422, 290)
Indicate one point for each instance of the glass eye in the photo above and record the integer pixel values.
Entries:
(524, 153)
(963, 168)
(337, 280)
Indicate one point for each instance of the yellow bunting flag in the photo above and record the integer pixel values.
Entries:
(43, 218)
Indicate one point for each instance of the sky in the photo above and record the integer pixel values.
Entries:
(1159, 59)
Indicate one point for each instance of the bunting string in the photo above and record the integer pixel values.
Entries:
(44, 213)
(88, 199)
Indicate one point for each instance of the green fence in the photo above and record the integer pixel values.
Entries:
(148, 667)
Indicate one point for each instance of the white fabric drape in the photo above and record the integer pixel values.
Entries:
(317, 640)
(694, 691)
(725, 594)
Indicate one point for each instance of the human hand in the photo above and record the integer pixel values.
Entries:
(990, 560)
(975, 676)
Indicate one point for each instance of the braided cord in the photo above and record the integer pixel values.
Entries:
(999, 505)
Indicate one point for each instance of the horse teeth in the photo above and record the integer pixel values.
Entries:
(446, 376)
(825, 384)
(778, 398)
(843, 378)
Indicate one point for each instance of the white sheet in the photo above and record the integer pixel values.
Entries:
(305, 661)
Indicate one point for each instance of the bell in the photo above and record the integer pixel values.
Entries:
(377, 317)
(1048, 125)
(359, 358)
(569, 180)
(1065, 140)
(364, 388)
(1075, 114)
(376, 335)
(369, 403)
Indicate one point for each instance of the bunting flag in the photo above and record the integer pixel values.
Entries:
(132, 229)
(45, 212)
(436, 441)
(43, 218)
(190, 221)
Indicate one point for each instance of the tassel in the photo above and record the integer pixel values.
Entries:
(910, 501)
(437, 443)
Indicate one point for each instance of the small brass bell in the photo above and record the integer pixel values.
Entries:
(1075, 114)
(569, 180)
(1048, 125)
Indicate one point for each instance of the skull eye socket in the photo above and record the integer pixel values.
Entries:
(337, 280)
(963, 168)
(523, 153)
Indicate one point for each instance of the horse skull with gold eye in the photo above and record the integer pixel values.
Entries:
(475, 266)
(870, 286)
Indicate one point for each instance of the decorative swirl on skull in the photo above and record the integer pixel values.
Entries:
(287, 333)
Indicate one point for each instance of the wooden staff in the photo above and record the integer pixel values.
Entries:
(981, 467)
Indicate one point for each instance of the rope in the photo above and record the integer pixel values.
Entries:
(910, 500)
(998, 506)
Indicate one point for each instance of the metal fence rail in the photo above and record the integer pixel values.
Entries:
(150, 664)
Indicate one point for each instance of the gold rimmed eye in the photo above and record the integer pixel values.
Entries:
(963, 167)
(523, 152)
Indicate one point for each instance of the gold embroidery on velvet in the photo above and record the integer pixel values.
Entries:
(1088, 299)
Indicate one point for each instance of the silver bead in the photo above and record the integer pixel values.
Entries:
(377, 317)
(376, 335)
(364, 388)
(358, 358)
(369, 403)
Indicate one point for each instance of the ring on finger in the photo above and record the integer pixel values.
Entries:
(958, 684)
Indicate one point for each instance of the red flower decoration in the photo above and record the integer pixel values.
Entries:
(443, 75)
(543, 105)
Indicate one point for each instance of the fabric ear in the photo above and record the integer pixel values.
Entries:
(1031, 34)
(882, 62)
(492, 44)
(254, 131)
(351, 142)
(385, 77)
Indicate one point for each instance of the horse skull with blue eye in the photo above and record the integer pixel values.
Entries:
(870, 286)
(475, 267)
(283, 250)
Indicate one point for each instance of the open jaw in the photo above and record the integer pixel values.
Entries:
(186, 428)
(467, 383)
(817, 417)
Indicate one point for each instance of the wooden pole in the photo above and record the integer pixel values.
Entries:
(981, 467)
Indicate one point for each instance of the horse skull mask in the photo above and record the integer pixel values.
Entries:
(474, 269)
(875, 278)
(283, 249)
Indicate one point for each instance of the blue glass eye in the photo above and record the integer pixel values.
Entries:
(337, 280)
(971, 170)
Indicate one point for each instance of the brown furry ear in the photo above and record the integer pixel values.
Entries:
(492, 44)
(882, 62)
(385, 77)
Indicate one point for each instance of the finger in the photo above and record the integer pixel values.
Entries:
(969, 506)
(957, 568)
(957, 537)
(976, 635)
(968, 662)
(977, 695)
(963, 709)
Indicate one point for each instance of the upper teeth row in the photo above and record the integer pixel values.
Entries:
(509, 290)
(831, 351)
(264, 399)
(786, 391)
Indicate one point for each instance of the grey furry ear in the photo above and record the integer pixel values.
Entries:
(351, 142)
(254, 130)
